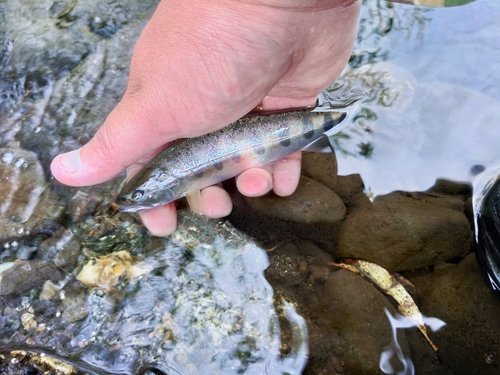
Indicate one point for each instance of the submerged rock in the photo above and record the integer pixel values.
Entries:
(202, 304)
(350, 189)
(107, 271)
(320, 167)
(71, 60)
(28, 201)
(311, 203)
(22, 276)
(404, 231)
(22, 362)
(313, 212)
(348, 329)
(457, 294)
(349, 300)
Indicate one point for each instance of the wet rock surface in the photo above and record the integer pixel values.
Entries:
(28, 203)
(404, 231)
(21, 362)
(66, 66)
(358, 346)
(426, 237)
(321, 168)
(197, 300)
(24, 275)
(312, 203)
(458, 294)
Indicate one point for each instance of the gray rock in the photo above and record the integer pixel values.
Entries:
(27, 274)
(27, 200)
(67, 256)
(404, 231)
(75, 303)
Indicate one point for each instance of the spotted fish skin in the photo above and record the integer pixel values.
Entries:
(196, 163)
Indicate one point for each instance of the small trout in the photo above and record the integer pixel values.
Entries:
(195, 163)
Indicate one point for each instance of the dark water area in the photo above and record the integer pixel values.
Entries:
(86, 290)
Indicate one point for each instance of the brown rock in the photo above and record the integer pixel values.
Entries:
(404, 231)
(312, 202)
(458, 295)
(323, 168)
(294, 262)
(348, 304)
(451, 188)
(337, 307)
(350, 189)
(320, 167)
(75, 304)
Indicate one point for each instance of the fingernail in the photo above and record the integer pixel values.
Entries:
(71, 162)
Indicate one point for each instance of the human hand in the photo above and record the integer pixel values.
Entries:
(199, 67)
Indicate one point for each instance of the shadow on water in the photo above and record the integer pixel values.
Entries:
(84, 289)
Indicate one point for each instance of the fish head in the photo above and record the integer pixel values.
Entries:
(150, 188)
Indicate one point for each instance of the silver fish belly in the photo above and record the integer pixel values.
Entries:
(196, 163)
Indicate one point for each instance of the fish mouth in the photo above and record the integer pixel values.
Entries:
(125, 205)
(134, 208)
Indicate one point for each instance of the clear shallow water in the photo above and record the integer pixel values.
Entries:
(433, 98)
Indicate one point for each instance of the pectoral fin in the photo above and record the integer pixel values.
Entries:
(322, 144)
(194, 199)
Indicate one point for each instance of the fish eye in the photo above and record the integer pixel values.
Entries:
(138, 194)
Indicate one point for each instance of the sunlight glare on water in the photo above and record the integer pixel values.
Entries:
(433, 100)
(395, 352)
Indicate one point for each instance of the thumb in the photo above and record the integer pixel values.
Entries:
(125, 138)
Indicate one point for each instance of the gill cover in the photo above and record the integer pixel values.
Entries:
(151, 187)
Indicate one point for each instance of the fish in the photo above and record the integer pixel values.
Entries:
(186, 167)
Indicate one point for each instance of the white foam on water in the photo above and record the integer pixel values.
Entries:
(398, 322)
